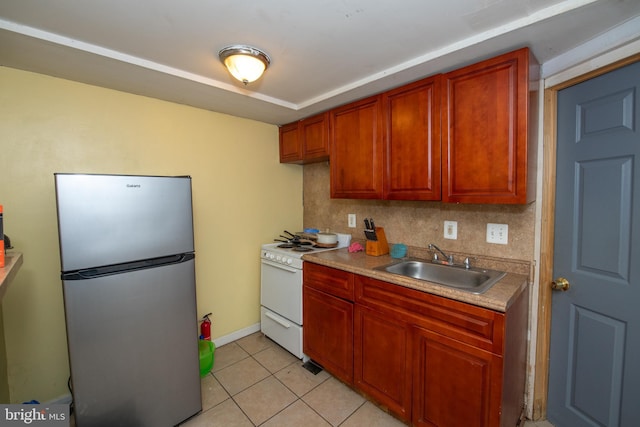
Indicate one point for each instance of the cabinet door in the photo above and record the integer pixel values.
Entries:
(485, 132)
(328, 332)
(381, 359)
(314, 133)
(412, 145)
(290, 144)
(356, 150)
(454, 384)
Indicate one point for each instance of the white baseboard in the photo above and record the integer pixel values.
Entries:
(219, 342)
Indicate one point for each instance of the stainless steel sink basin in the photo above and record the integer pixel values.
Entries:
(475, 280)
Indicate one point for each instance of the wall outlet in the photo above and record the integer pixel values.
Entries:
(351, 220)
(498, 233)
(451, 230)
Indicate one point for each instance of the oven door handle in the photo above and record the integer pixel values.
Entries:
(278, 321)
(280, 266)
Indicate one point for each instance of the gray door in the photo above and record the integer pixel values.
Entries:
(594, 370)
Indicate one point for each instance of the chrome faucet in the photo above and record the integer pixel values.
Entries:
(449, 258)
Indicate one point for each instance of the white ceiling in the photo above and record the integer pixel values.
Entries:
(324, 52)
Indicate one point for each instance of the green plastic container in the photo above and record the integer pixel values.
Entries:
(207, 351)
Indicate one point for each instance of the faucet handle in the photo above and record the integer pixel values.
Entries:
(467, 263)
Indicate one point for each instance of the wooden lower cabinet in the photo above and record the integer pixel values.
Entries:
(328, 332)
(381, 359)
(429, 360)
(455, 384)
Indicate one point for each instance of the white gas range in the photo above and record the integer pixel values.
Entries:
(281, 293)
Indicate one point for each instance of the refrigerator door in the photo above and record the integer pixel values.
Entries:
(133, 347)
(112, 219)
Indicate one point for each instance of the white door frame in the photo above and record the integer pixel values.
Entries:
(540, 345)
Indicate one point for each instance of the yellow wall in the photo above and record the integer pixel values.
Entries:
(242, 197)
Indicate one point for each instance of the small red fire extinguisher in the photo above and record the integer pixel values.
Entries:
(205, 327)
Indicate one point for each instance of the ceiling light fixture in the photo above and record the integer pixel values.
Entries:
(245, 63)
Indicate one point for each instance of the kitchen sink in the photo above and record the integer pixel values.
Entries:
(474, 280)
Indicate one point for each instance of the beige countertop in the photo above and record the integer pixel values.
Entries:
(12, 263)
(499, 297)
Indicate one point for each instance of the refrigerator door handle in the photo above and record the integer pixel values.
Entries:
(91, 273)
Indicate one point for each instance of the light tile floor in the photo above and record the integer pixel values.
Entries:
(257, 383)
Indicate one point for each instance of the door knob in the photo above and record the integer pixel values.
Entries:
(560, 284)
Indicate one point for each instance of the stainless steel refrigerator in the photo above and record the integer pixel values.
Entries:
(128, 275)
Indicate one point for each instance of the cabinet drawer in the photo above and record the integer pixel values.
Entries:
(467, 323)
(335, 282)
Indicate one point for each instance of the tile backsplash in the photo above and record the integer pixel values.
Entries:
(416, 224)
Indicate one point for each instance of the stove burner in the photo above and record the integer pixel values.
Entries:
(286, 246)
(302, 249)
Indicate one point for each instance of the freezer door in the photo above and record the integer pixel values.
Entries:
(111, 219)
(133, 347)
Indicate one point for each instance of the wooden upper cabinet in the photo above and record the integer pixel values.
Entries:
(412, 141)
(488, 154)
(314, 133)
(305, 141)
(356, 150)
(468, 136)
(290, 144)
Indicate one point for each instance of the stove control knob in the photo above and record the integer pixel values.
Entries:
(289, 261)
(271, 256)
(278, 258)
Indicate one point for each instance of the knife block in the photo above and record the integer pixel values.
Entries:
(380, 246)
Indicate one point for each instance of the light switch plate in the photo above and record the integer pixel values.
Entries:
(497, 233)
(351, 220)
(451, 230)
